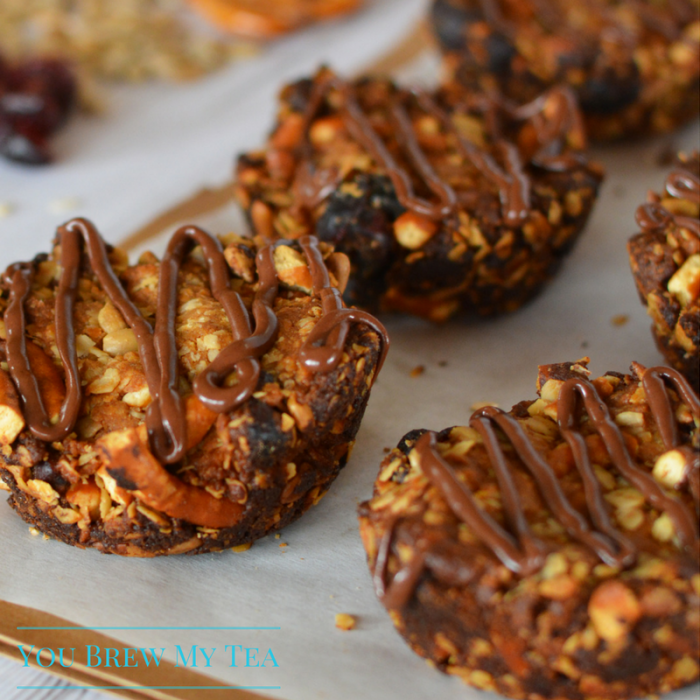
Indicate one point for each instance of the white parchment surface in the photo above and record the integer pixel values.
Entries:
(157, 145)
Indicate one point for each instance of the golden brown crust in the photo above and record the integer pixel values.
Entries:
(665, 261)
(246, 472)
(573, 626)
(509, 215)
(634, 65)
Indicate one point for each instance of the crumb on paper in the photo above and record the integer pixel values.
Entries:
(346, 622)
(34, 531)
(619, 319)
(417, 371)
(482, 404)
(277, 535)
(283, 544)
(386, 450)
(62, 205)
(442, 363)
(584, 344)
(6, 208)
(242, 547)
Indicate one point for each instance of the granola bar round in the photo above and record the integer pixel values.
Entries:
(632, 63)
(442, 202)
(189, 405)
(551, 551)
(665, 261)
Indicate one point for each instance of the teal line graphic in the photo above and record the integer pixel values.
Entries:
(149, 628)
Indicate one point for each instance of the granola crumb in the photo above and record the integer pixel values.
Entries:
(442, 363)
(242, 547)
(417, 371)
(283, 544)
(345, 622)
(620, 319)
(6, 208)
(34, 532)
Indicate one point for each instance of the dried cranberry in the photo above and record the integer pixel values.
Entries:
(36, 98)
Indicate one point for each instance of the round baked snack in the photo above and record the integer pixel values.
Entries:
(665, 260)
(265, 19)
(551, 551)
(189, 405)
(443, 202)
(632, 63)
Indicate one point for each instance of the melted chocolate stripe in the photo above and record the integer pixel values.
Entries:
(682, 184)
(361, 129)
(466, 509)
(527, 554)
(20, 277)
(323, 349)
(603, 423)
(165, 417)
(514, 188)
(547, 483)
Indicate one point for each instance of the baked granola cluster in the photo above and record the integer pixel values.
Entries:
(552, 551)
(245, 471)
(633, 65)
(665, 261)
(443, 203)
(129, 40)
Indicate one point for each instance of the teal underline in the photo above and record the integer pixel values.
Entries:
(148, 687)
(149, 628)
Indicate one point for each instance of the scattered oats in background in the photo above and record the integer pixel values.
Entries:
(127, 40)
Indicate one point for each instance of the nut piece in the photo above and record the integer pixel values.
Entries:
(613, 610)
(670, 469)
(685, 283)
(292, 269)
(110, 319)
(346, 622)
(120, 342)
(413, 230)
(11, 418)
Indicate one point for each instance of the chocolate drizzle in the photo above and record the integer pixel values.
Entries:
(516, 547)
(654, 217)
(165, 417)
(509, 178)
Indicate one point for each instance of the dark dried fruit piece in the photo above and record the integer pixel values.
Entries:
(36, 99)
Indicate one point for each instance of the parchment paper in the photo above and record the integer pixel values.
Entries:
(156, 147)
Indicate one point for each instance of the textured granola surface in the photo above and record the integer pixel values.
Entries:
(561, 622)
(270, 458)
(442, 203)
(665, 261)
(633, 64)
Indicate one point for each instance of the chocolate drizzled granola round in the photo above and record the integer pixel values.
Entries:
(443, 202)
(182, 406)
(633, 64)
(551, 551)
(665, 260)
